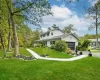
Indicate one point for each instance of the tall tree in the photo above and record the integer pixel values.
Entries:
(30, 10)
(94, 14)
(69, 29)
(9, 34)
(3, 25)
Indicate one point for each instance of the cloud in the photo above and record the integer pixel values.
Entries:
(93, 2)
(62, 16)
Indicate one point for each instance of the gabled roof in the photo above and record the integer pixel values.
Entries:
(51, 30)
(67, 34)
(59, 37)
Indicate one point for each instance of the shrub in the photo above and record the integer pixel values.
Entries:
(69, 51)
(52, 46)
(38, 45)
(83, 45)
(61, 46)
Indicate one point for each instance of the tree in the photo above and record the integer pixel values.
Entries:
(3, 25)
(55, 26)
(49, 28)
(30, 10)
(69, 29)
(3, 34)
(9, 34)
(83, 44)
(94, 14)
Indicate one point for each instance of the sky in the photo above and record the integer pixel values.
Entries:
(65, 14)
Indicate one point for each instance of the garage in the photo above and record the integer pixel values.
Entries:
(71, 45)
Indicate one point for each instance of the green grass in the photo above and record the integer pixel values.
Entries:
(51, 53)
(1, 53)
(84, 69)
(22, 51)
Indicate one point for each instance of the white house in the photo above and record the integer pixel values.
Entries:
(48, 38)
(93, 42)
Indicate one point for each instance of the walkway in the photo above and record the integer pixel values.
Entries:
(55, 59)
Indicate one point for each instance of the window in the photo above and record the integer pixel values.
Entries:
(51, 33)
(48, 34)
(52, 42)
(44, 35)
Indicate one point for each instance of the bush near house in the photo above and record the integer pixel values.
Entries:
(61, 46)
(39, 45)
(83, 45)
(52, 46)
(69, 51)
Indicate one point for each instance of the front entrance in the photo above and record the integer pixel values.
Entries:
(71, 45)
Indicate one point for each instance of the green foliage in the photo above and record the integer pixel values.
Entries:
(32, 11)
(83, 45)
(69, 29)
(90, 36)
(69, 51)
(52, 46)
(39, 45)
(29, 11)
(61, 46)
(86, 43)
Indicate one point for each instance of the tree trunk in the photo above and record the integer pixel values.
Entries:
(15, 38)
(3, 45)
(16, 44)
(97, 27)
(9, 42)
(9, 36)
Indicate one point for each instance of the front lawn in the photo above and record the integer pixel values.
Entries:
(83, 69)
(51, 53)
(22, 51)
(1, 53)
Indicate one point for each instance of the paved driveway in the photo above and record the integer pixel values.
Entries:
(94, 54)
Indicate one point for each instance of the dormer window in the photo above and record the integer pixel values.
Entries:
(51, 33)
(43, 35)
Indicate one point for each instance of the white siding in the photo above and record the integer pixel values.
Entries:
(70, 38)
(48, 43)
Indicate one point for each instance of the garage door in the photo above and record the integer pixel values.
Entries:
(71, 45)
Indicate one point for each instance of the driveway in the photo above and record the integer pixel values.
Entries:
(93, 54)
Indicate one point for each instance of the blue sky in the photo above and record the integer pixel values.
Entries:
(73, 13)
(74, 6)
